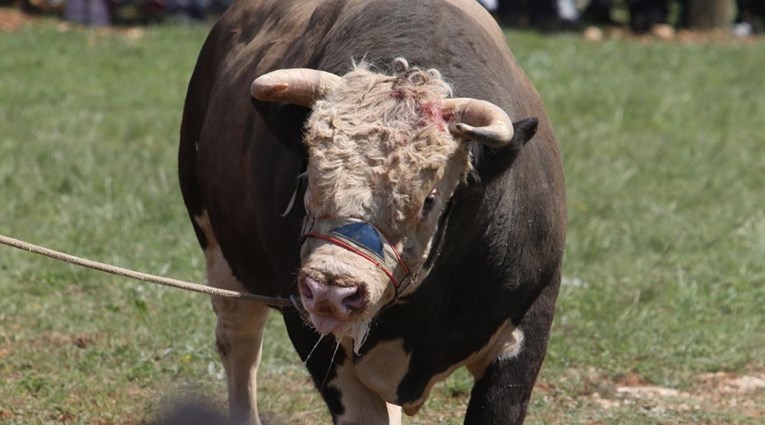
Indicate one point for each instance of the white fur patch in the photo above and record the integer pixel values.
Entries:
(359, 333)
(383, 368)
(361, 405)
(203, 221)
(505, 343)
(394, 414)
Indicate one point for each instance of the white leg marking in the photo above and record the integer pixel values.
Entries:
(383, 368)
(238, 334)
(505, 343)
(394, 414)
(362, 406)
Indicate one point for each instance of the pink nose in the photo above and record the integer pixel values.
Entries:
(333, 301)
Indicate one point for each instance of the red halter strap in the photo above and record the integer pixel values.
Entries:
(399, 274)
(339, 242)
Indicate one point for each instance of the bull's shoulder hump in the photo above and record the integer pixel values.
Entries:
(273, 12)
(485, 21)
(263, 33)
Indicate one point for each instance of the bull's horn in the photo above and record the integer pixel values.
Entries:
(299, 86)
(482, 121)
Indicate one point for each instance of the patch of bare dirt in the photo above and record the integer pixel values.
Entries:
(6, 415)
(12, 20)
(730, 383)
(84, 340)
(742, 395)
(51, 340)
(63, 417)
(630, 380)
(712, 392)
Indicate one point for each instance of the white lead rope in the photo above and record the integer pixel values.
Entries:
(119, 271)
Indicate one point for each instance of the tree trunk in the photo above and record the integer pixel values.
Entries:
(708, 14)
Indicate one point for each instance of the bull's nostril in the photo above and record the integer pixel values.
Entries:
(306, 292)
(355, 300)
(307, 287)
(330, 300)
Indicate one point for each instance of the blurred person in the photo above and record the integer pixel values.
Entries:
(490, 5)
(196, 10)
(598, 12)
(88, 12)
(41, 7)
(131, 12)
(748, 11)
(644, 14)
(545, 15)
(187, 10)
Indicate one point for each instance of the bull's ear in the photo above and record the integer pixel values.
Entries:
(285, 122)
(490, 163)
(525, 130)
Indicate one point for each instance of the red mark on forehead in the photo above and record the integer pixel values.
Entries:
(433, 113)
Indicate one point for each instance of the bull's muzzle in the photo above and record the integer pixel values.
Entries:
(329, 306)
(365, 240)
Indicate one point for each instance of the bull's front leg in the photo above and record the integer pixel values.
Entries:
(238, 334)
(501, 395)
(239, 340)
(505, 376)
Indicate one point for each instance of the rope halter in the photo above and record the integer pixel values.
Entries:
(364, 240)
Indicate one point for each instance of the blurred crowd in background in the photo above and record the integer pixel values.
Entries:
(742, 17)
(125, 12)
(641, 15)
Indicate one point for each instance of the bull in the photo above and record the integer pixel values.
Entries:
(430, 233)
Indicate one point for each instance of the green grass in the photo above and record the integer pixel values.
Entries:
(664, 149)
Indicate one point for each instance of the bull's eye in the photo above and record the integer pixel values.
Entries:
(427, 206)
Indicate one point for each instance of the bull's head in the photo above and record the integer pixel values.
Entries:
(386, 153)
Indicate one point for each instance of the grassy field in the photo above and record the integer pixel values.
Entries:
(660, 320)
